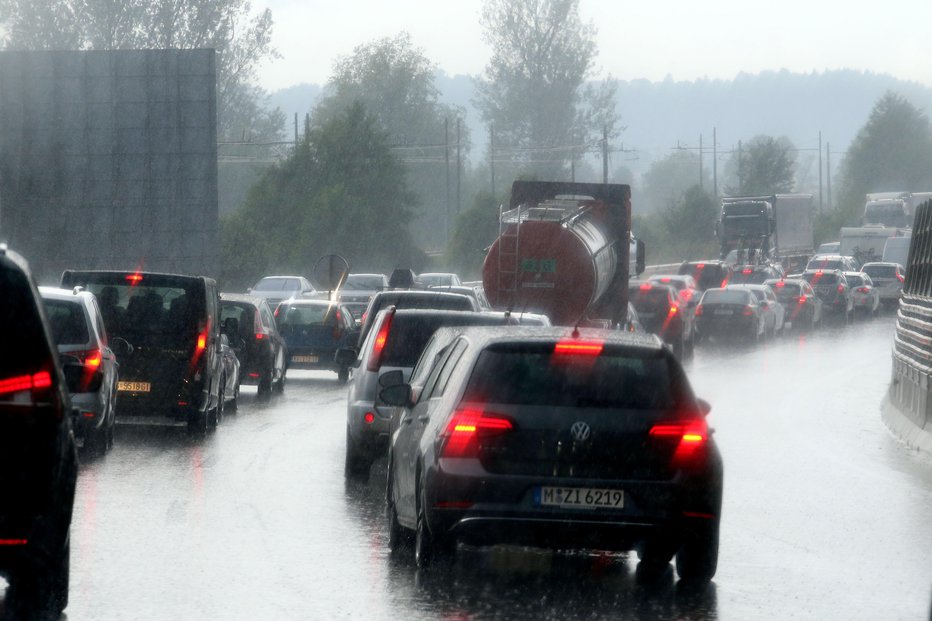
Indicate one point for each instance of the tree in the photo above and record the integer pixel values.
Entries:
(242, 40)
(892, 151)
(667, 180)
(765, 165)
(534, 90)
(476, 230)
(396, 83)
(341, 191)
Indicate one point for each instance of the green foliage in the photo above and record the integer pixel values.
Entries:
(891, 152)
(683, 230)
(668, 179)
(342, 191)
(476, 229)
(765, 166)
(534, 91)
(396, 83)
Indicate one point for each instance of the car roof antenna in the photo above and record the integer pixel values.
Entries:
(575, 333)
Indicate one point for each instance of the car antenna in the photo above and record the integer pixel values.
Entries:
(575, 333)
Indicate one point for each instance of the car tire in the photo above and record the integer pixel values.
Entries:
(697, 558)
(39, 588)
(60, 579)
(197, 423)
(95, 442)
(357, 464)
(397, 534)
(428, 549)
(234, 402)
(279, 386)
(265, 386)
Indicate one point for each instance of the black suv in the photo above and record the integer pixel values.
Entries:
(173, 323)
(38, 457)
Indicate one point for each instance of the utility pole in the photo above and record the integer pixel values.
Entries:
(459, 164)
(700, 161)
(820, 171)
(714, 163)
(446, 161)
(740, 178)
(296, 129)
(604, 154)
(828, 174)
(492, 157)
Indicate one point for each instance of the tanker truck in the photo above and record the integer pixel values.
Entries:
(564, 250)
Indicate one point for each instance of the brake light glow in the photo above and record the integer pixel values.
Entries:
(645, 287)
(900, 277)
(13, 542)
(375, 359)
(748, 311)
(665, 279)
(690, 437)
(747, 270)
(841, 288)
(39, 380)
(466, 427)
(780, 284)
(863, 290)
(260, 336)
(672, 310)
(92, 358)
(578, 348)
(801, 299)
(369, 417)
(700, 266)
(699, 311)
(134, 278)
(724, 283)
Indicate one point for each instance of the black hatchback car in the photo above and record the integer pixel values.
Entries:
(175, 372)
(250, 326)
(543, 437)
(38, 457)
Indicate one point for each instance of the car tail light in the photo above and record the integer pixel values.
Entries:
(900, 277)
(724, 283)
(802, 299)
(690, 437)
(699, 310)
(375, 358)
(780, 285)
(260, 330)
(91, 358)
(574, 347)
(747, 271)
(748, 311)
(13, 542)
(645, 287)
(467, 427)
(841, 288)
(673, 310)
(863, 290)
(134, 279)
(665, 279)
(24, 383)
(700, 266)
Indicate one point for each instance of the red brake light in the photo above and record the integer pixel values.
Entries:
(841, 288)
(20, 383)
(134, 278)
(375, 359)
(863, 290)
(699, 310)
(724, 283)
(690, 436)
(260, 336)
(578, 348)
(900, 277)
(747, 270)
(672, 310)
(802, 299)
(748, 311)
(461, 438)
(665, 279)
(700, 266)
(93, 358)
(780, 284)
(645, 287)
(202, 338)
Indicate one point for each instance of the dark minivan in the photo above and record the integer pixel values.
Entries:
(172, 322)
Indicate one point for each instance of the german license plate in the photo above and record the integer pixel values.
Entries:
(724, 311)
(579, 497)
(304, 358)
(134, 386)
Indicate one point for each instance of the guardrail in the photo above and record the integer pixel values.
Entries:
(665, 268)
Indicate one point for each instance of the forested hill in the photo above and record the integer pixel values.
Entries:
(659, 115)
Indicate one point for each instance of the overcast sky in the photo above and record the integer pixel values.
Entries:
(652, 39)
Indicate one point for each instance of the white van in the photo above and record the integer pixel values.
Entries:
(896, 250)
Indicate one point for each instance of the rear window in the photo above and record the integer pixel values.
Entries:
(650, 298)
(817, 279)
(754, 277)
(725, 297)
(855, 281)
(880, 271)
(706, 276)
(788, 289)
(156, 310)
(533, 375)
(308, 315)
(825, 264)
(67, 322)
(363, 283)
(679, 285)
(439, 302)
(409, 334)
(278, 284)
(244, 314)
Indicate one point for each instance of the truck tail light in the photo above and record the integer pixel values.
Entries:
(467, 427)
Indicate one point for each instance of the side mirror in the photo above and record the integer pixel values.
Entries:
(346, 357)
(398, 395)
(121, 347)
(704, 406)
(392, 378)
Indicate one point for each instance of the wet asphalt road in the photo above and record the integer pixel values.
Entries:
(826, 515)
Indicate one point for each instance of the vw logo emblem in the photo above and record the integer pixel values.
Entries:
(580, 431)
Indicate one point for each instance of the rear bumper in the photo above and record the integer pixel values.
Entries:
(371, 438)
(733, 326)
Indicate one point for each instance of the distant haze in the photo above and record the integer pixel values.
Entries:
(716, 39)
